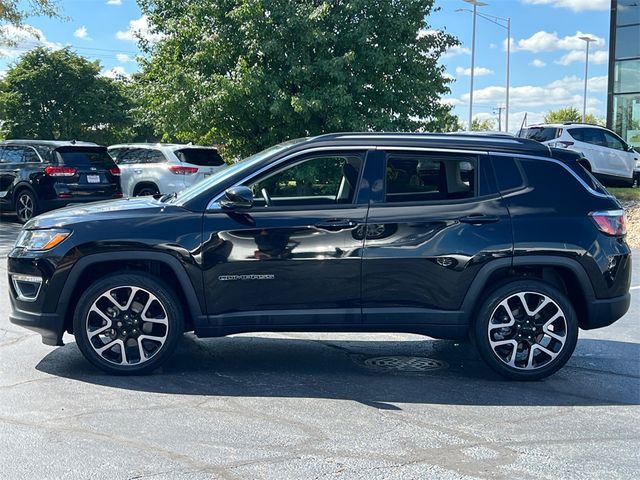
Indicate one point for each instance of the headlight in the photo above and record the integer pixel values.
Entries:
(41, 240)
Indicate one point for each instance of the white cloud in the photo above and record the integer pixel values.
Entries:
(139, 29)
(18, 40)
(563, 92)
(124, 58)
(543, 41)
(456, 50)
(115, 72)
(477, 71)
(114, 2)
(82, 33)
(598, 57)
(537, 63)
(492, 45)
(423, 32)
(575, 5)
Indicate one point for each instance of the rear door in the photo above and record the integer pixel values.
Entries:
(10, 160)
(91, 172)
(437, 221)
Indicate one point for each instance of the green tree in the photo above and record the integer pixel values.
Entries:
(251, 73)
(446, 122)
(60, 95)
(14, 12)
(486, 125)
(570, 114)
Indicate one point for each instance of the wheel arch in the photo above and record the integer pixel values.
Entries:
(93, 267)
(563, 273)
(144, 183)
(19, 187)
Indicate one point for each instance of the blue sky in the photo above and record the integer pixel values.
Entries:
(547, 62)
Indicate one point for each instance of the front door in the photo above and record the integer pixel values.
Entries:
(295, 257)
(436, 222)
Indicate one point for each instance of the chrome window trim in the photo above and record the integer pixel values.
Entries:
(558, 162)
(213, 204)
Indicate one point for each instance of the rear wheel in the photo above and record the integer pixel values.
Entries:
(26, 206)
(128, 323)
(147, 190)
(526, 330)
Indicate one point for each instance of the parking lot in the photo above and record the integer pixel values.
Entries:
(318, 406)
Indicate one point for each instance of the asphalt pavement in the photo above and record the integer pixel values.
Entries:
(288, 406)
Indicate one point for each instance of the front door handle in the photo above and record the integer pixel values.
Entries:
(137, 170)
(479, 219)
(336, 225)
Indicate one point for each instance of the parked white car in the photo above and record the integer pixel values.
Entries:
(609, 157)
(161, 168)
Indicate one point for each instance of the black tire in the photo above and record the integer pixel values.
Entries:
(119, 284)
(527, 327)
(26, 205)
(147, 190)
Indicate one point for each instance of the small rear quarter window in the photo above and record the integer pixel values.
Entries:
(508, 172)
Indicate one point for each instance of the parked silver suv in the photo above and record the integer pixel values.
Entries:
(607, 156)
(153, 168)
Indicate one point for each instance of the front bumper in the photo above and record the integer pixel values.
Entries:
(48, 325)
(602, 313)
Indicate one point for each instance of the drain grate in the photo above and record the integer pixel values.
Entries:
(404, 364)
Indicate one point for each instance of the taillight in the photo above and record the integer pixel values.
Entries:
(60, 171)
(611, 222)
(179, 170)
(114, 171)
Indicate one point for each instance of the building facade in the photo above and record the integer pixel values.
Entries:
(623, 99)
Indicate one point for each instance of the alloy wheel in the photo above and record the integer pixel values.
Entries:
(127, 325)
(25, 207)
(527, 330)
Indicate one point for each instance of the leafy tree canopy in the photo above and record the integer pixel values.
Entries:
(486, 125)
(15, 11)
(570, 114)
(251, 73)
(60, 95)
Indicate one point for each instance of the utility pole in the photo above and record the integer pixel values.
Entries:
(499, 108)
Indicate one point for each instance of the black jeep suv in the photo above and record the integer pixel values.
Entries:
(40, 175)
(504, 239)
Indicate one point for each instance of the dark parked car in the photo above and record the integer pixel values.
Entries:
(39, 175)
(501, 238)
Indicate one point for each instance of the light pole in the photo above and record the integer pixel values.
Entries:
(588, 40)
(507, 26)
(475, 4)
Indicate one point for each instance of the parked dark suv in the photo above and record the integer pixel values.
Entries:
(39, 175)
(504, 239)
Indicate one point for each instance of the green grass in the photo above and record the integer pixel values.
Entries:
(625, 193)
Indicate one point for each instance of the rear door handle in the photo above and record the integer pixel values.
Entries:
(336, 225)
(479, 219)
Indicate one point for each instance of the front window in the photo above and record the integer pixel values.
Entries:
(326, 179)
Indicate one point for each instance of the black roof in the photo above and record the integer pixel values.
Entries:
(49, 143)
(494, 143)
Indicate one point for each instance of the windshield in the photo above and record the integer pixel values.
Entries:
(204, 157)
(84, 157)
(225, 173)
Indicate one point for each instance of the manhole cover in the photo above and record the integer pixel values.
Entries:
(404, 364)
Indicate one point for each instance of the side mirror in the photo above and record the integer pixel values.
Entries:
(237, 198)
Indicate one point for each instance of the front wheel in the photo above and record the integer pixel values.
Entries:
(128, 323)
(526, 330)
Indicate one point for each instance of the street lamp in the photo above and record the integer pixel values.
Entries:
(507, 26)
(475, 4)
(588, 40)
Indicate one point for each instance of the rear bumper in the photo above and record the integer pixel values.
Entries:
(604, 312)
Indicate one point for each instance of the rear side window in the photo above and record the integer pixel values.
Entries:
(423, 178)
(541, 134)
(154, 156)
(509, 173)
(204, 157)
(84, 157)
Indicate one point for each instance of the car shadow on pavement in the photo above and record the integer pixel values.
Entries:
(601, 372)
(9, 228)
